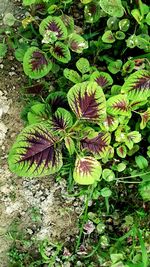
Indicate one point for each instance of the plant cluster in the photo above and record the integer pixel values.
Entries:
(88, 115)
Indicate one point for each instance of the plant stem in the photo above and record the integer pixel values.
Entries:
(133, 176)
(107, 204)
(88, 197)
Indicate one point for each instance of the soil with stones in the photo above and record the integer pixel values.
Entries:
(19, 197)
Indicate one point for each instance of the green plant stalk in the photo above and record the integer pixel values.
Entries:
(107, 204)
(143, 248)
(133, 176)
(94, 250)
(70, 181)
(89, 196)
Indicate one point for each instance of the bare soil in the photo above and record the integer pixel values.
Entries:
(20, 196)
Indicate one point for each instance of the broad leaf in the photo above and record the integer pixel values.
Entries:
(97, 144)
(57, 99)
(87, 170)
(77, 43)
(109, 124)
(113, 7)
(102, 78)
(61, 120)
(38, 113)
(83, 65)
(35, 152)
(145, 118)
(87, 101)
(61, 52)
(72, 75)
(70, 145)
(118, 105)
(35, 63)
(121, 151)
(54, 27)
(137, 85)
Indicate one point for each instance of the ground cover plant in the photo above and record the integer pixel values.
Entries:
(87, 119)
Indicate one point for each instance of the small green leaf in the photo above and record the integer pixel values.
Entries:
(53, 27)
(108, 175)
(121, 151)
(30, 2)
(61, 52)
(70, 145)
(108, 37)
(116, 257)
(87, 170)
(85, 1)
(9, 19)
(124, 25)
(121, 167)
(136, 14)
(128, 66)
(72, 75)
(106, 192)
(3, 50)
(77, 43)
(112, 23)
(131, 41)
(148, 19)
(145, 116)
(131, 138)
(144, 190)
(83, 65)
(115, 89)
(103, 79)
(37, 113)
(133, 150)
(115, 66)
(92, 12)
(100, 228)
(141, 162)
(120, 35)
(109, 124)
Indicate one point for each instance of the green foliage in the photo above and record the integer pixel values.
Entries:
(91, 124)
(3, 50)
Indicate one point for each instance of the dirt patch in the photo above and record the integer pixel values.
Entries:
(19, 197)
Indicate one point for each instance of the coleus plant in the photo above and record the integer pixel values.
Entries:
(59, 37)
(96, 128)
